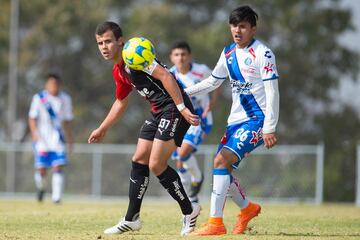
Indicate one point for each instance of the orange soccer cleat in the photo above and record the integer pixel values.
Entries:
(244, 217)
(214, 226)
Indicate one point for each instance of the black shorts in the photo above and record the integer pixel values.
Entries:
(165, 125)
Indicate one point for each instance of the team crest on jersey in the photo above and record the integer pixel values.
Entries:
(256, 136)
(248, 61)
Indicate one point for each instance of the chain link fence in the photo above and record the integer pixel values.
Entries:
(285, 173)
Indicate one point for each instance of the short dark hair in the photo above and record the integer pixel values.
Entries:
(54, 76)
(181, 45)
(243, 14)
(105, 26)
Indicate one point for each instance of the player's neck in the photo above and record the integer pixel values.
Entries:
(246, 44)
(184, 69)
(118, 59)
(53, 93)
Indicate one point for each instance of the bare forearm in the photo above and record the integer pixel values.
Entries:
(116, 111)
(68, 132)
(173, 89)
(33, 128)
(215, 96)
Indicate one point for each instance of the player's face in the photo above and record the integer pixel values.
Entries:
(109, 47)
(180, 57)
(242, 33)
(52, 86)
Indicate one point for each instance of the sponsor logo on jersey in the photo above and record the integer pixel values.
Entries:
(241, 87)
(267, 54)
(227, 54)
(252, 52)
(146, 93)
(248, 70)
(200, 75)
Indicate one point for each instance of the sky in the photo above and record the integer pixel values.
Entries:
(349, 90)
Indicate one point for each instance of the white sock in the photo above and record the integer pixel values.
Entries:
(57, 186)
(221, 183)
(237, 194)
(185, 178)
(192, 165)
(40, 181)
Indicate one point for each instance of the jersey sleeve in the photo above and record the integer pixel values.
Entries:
(34, 107)
(267, 65)
(149, 69)
(122, 90)
(220, 70)
(217, 77)
(269, 75)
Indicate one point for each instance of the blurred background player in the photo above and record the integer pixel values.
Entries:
(188, 73)
(170, 117)
(251, 68)
(50, 118)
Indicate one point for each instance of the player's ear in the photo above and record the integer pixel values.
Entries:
(254, 29)
(121, 41)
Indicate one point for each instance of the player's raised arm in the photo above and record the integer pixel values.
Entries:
(116, 111)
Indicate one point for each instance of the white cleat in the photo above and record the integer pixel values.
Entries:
(124, 226)
(189, 221)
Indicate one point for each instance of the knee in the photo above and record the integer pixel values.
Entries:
(42, 172)
(221, 162)
(139, 160)
(185, 152)
(57, 169)
(157, 168)
(179, 164)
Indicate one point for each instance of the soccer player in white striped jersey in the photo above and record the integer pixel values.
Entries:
(251, 68)
(188, 73)
(50, 120)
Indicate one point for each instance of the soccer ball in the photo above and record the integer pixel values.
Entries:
(138, 53)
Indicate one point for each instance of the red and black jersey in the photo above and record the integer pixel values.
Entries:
(149, 87)
(122, 81)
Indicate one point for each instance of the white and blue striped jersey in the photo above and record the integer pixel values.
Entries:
(253, 79)
(49, 135)
(197, 73)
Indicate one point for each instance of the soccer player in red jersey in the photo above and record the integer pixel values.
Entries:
(170, 117)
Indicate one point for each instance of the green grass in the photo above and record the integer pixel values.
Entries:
(26, 219)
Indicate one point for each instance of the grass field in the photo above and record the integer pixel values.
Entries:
(26, 219)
